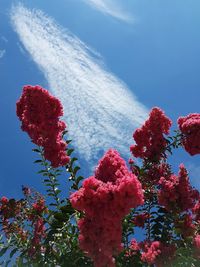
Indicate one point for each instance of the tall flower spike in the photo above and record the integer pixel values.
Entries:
(105, 199)
(39, 113)
(149, 139)
(176, 191)
(190, 128)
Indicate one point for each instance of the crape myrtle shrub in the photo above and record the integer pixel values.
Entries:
(95, 225)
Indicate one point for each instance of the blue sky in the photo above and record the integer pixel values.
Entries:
(109, 61)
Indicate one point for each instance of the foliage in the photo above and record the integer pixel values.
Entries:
(81, 230)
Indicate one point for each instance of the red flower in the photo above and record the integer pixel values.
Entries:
(4, 200)
(38, 235)
(151, 252)
(176, 192)
(150, 142)
(106, 198)
(158, 253)
(39, 206)
(133, 248)
(190, 128)
(39, 113)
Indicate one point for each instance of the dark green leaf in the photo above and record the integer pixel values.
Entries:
(73, 160)
(3, 251)
(38, 161)
(36, 150)
(79, 178)
(68, 141)
(69, 151)
(42, 171)
(13, 252)
(76, 169)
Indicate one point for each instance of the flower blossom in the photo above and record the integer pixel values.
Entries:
(190, 128)
(151, 251)
(105, 199)
(39, 206)
(38, 235)
(158, 253)
(196, 210)
(133, 248)
(176, 191)
(39, 113)
(150, 141)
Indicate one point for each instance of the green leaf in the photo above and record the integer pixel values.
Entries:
(36, 150)
(69, 151)
(38, 161)
(45, 163)
(47, 184)
(79, 178)
(77, 168)
(68, 141)
(13, 252)
(75, 187)
(73, 160)
(6, 264)
(42, 171)
(67, 209)
(64, 132)
(58, 191)
(3, 251)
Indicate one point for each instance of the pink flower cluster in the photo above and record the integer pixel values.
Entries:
(150, 142)
(190, 128)
(105, 199)
(151, 252)
(196, 210)
(39, 113)
(39, 206)
(133, 249)
(157, 253)
(36, 217)
(38, 235)
(176, 192)
(9, 208)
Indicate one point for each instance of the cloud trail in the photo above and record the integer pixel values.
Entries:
(99, 109)
(110, 7)
(2, 53)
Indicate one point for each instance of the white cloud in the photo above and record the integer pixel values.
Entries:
(2, 53)
(99, 109)
(110, 7)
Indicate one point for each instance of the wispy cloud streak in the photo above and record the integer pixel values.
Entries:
(100, 110)
(2, 53)
(110, 7)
